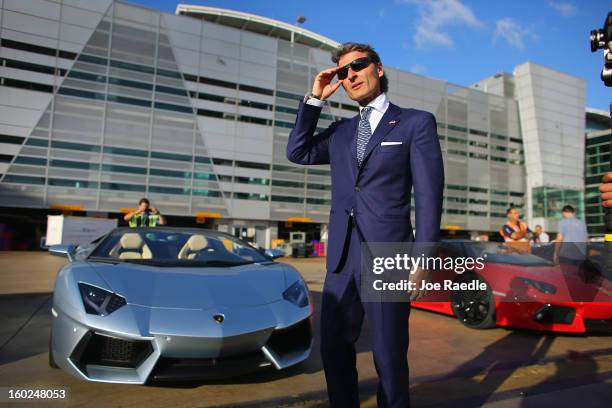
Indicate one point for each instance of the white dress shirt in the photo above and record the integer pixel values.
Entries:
(544, 238)
(379, 107)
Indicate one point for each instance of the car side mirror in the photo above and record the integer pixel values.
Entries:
(66, 251)
(275, 253)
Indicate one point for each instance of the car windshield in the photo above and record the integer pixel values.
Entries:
(169, 247)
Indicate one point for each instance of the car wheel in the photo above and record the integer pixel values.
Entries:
(474, 308)
(51, 359)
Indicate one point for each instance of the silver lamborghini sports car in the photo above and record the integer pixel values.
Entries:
(153, 304)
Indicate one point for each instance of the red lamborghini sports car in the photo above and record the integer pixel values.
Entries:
(524, 290)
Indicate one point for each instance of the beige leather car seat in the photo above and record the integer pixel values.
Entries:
(131, 246)
(193, 246)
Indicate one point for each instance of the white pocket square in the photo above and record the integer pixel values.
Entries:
(390, 143)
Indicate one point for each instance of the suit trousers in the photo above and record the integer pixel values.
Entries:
(342, 314)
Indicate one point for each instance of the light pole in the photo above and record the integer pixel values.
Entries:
(299, 21)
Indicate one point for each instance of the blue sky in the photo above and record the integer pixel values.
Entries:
(458, 41)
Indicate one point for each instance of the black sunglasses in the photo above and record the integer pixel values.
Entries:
(356, 65)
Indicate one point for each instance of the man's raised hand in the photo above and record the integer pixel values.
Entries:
(323, 86)
(606, 190)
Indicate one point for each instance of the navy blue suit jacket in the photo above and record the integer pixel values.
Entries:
(379, 191)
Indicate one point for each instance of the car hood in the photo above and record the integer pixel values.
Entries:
(194, 287)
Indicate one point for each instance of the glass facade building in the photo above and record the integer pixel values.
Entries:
(105, 102)
(552, 121)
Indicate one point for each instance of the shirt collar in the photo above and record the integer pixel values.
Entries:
(380, 103)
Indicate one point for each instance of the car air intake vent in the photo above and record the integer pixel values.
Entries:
(602, 326)
(98, 349)
(551, 314)
(293, 338)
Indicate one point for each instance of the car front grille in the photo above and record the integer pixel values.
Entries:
(98, 349)
(192, 369)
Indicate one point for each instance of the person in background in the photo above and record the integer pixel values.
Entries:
(572, 232)
(570, 228)
(540, 236)
(514, 230)
(144, 215)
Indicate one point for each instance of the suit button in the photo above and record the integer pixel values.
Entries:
(357, 189)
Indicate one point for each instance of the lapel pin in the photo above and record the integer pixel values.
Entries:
(392, 122)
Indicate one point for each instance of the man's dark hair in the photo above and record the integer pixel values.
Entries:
(568, 208)
(510, 209)
(350, 47)
(144, 200)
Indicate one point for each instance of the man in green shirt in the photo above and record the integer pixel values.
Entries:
(144, 215)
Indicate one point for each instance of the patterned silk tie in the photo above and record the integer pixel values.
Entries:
(363, 134)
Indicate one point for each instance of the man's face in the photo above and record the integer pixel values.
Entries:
(538, 229)
(363, 84)
(514, 215)
(143, 206)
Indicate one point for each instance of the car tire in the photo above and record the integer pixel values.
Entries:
(51, 358)
(474, 308)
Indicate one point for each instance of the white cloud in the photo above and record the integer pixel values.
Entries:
(566, 9)
(513, 32)
(435, 16)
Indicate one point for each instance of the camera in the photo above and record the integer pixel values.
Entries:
(602, 39)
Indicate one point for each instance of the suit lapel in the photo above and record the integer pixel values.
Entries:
(387, 122)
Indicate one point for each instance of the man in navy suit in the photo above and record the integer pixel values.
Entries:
(376, 159)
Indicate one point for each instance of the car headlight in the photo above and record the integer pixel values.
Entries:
(99, 301)
(541, 286)
(297, 294)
